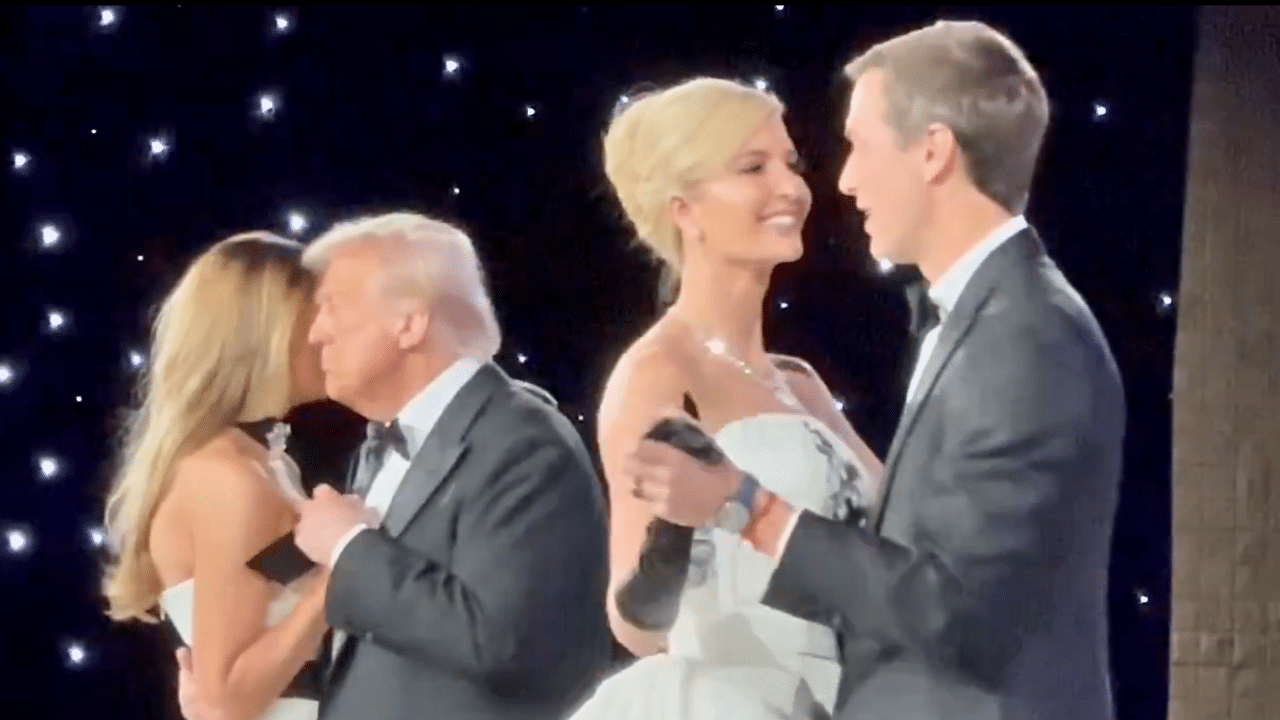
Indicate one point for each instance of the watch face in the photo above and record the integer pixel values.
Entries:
(733, 517)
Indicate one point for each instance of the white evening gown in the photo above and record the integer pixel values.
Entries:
(178, 603)
(728, 655)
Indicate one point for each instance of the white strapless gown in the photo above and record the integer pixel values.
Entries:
(728, 655)
(178, 603)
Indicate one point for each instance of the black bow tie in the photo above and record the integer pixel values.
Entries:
(380, 436)
(925, 315)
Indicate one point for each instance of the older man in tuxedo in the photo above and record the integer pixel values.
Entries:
(467, 567)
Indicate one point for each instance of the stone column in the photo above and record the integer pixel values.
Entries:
(1226, 416)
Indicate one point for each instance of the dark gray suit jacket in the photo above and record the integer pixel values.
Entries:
(979, 592)
(483, 595)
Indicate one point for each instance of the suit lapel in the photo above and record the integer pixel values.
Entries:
(430, 467)
(1021, 247)
(444, 446)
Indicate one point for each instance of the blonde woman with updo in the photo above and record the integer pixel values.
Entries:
(709, 177)
(193, 501)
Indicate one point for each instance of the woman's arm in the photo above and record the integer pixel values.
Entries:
(644, 382)
(240, 667)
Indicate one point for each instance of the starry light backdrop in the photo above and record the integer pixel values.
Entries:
(135, 137)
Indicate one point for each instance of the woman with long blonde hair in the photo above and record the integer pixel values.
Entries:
(193, 500)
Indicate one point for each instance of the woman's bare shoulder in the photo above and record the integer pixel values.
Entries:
(654, 371)
(227, 477)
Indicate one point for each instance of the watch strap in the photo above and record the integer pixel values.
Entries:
(747, 492)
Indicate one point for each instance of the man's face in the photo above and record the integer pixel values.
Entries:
(884, 176)
(354, 327)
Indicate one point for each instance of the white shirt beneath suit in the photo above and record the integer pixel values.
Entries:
(416, 419)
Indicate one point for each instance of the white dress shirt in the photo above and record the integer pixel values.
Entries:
(944, 293)
(417, 419)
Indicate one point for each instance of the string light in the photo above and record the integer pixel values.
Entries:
(158, 148)
(48, 466)
(282, 23)
(884, 266)
(456, 190)
(76, 654)
(1100, 110)
(783, 304)
(268, 104)
(21, 161)
(297, 222)
(50, 237)
(530, 111)
(761, 84)
(136, 359)
(18, 540)
(97, 536)
(522, 358)
(452, 65)
(56, 320)
(108, 17)
(7, 373)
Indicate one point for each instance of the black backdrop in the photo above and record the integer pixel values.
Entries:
(367, 118)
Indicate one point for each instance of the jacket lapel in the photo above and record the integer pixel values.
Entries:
(1022, 247)
(444, 446)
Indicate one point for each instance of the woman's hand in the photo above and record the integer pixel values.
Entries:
(193, 705)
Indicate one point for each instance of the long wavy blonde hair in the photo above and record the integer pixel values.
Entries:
(220, 354)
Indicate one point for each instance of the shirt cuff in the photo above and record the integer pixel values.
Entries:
(785, 537)
(769, 530)
(342, 544)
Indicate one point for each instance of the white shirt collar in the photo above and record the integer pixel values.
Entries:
(421, 413)
(946, 291)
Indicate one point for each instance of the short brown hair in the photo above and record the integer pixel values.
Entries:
(971, 78)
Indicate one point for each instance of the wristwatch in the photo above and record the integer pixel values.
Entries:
(735, 514)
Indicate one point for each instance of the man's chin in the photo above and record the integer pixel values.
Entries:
(886, 252)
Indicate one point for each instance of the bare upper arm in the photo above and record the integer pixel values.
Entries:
(233, 513)
(649, 379)
(814, 394)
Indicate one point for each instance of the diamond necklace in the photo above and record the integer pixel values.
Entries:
(773, 382)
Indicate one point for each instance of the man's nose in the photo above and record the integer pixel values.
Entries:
(315, 335)
(845, 183)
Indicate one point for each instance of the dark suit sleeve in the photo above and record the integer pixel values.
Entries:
(991, 528)
(514, 608)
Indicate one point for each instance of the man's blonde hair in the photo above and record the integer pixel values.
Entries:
(971, 78)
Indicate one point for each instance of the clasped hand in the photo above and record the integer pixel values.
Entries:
(326, 518)
(675, 486)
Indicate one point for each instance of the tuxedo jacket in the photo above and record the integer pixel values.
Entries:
(978, 589)
(482, 596)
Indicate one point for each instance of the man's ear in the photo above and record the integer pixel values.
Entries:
(941, 153)
(412, 329)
